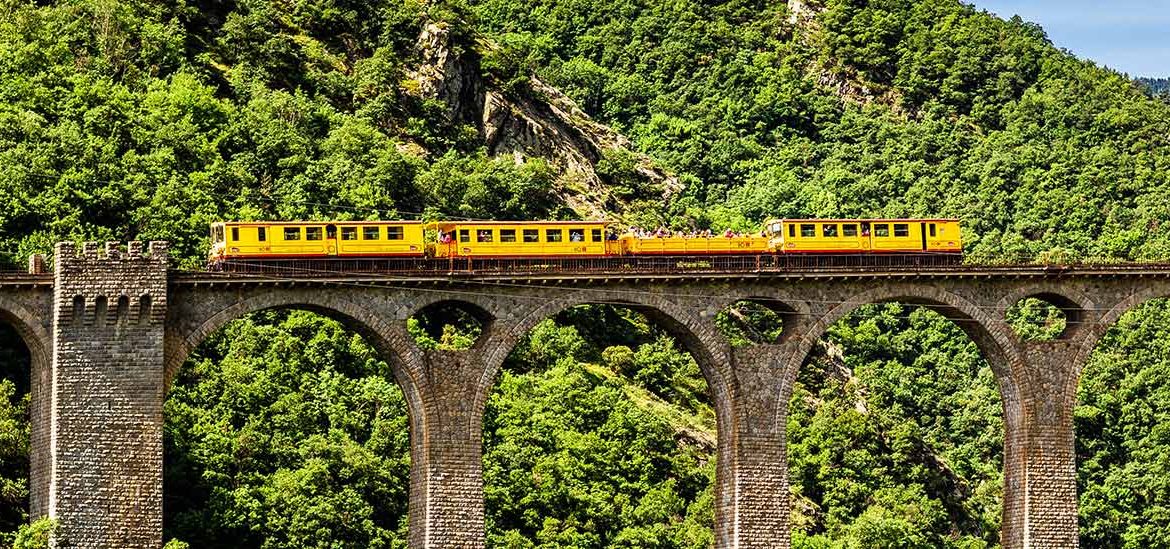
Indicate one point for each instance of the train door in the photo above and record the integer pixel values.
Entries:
(331, 240)
(922, 226)
(866, 237)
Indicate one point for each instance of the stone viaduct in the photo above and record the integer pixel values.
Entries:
(108, 329)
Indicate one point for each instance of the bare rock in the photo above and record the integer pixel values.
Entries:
(535, 121)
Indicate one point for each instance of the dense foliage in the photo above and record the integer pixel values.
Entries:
(283, 427)
(126, 119)
(898, 440)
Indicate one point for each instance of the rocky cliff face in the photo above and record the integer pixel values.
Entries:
(536, 121)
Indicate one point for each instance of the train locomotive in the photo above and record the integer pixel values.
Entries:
(460, 245)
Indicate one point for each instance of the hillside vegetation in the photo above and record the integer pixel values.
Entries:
(135, 119)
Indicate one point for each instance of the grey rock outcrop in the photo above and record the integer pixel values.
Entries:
(536, 121)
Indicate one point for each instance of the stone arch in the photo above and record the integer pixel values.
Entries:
(704, 342)
(995, 342)
(790, 310)
(30, 326)
(480, 309)
(1091, 337)
(33, 332)
(1074, 304)
(990, 334)
(390, 343)
(710, 350)
(1134, 294)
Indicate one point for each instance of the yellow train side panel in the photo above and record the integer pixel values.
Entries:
(946, 238)
(380, 239)
(896, 237)
(714, 245)
(866, 235)
(319, 239)
(824, 237)
(533, 239)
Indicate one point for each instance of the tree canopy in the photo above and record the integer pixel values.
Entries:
(136, 119)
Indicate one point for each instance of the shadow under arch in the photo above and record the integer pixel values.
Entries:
(787, 310)
(709, 349)
(991, 336)
(36, 338)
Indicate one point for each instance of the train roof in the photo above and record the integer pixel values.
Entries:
(868, 220)
(491, 223)
(287, 222)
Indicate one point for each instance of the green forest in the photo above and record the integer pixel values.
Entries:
(149, 119)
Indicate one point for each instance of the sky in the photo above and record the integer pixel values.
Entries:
(1130, 36)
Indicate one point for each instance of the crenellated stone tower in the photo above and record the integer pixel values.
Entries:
(105, 443)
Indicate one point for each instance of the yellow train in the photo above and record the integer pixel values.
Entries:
(276, 241)
(865, 236)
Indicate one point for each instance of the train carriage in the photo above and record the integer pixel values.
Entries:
(296, 240)
(524, 239)
(865, 236)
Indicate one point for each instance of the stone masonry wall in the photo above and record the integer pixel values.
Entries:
(109, 307)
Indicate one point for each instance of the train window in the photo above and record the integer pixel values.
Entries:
(312, 233)
(553, 235)
(808, 230)
(235, 234)
(792, 231)
(531, 235)
(829, 231)
(465, 235)
(881, 229)
(596, 235)
(371, 233)
(507, 235)
(393, 233)
(292, 233)
(576, 235)
(901, 229)
(849, 229)
(932, 229)
(261, 234)
(483, 235)
(217, 233)
(349, 233)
